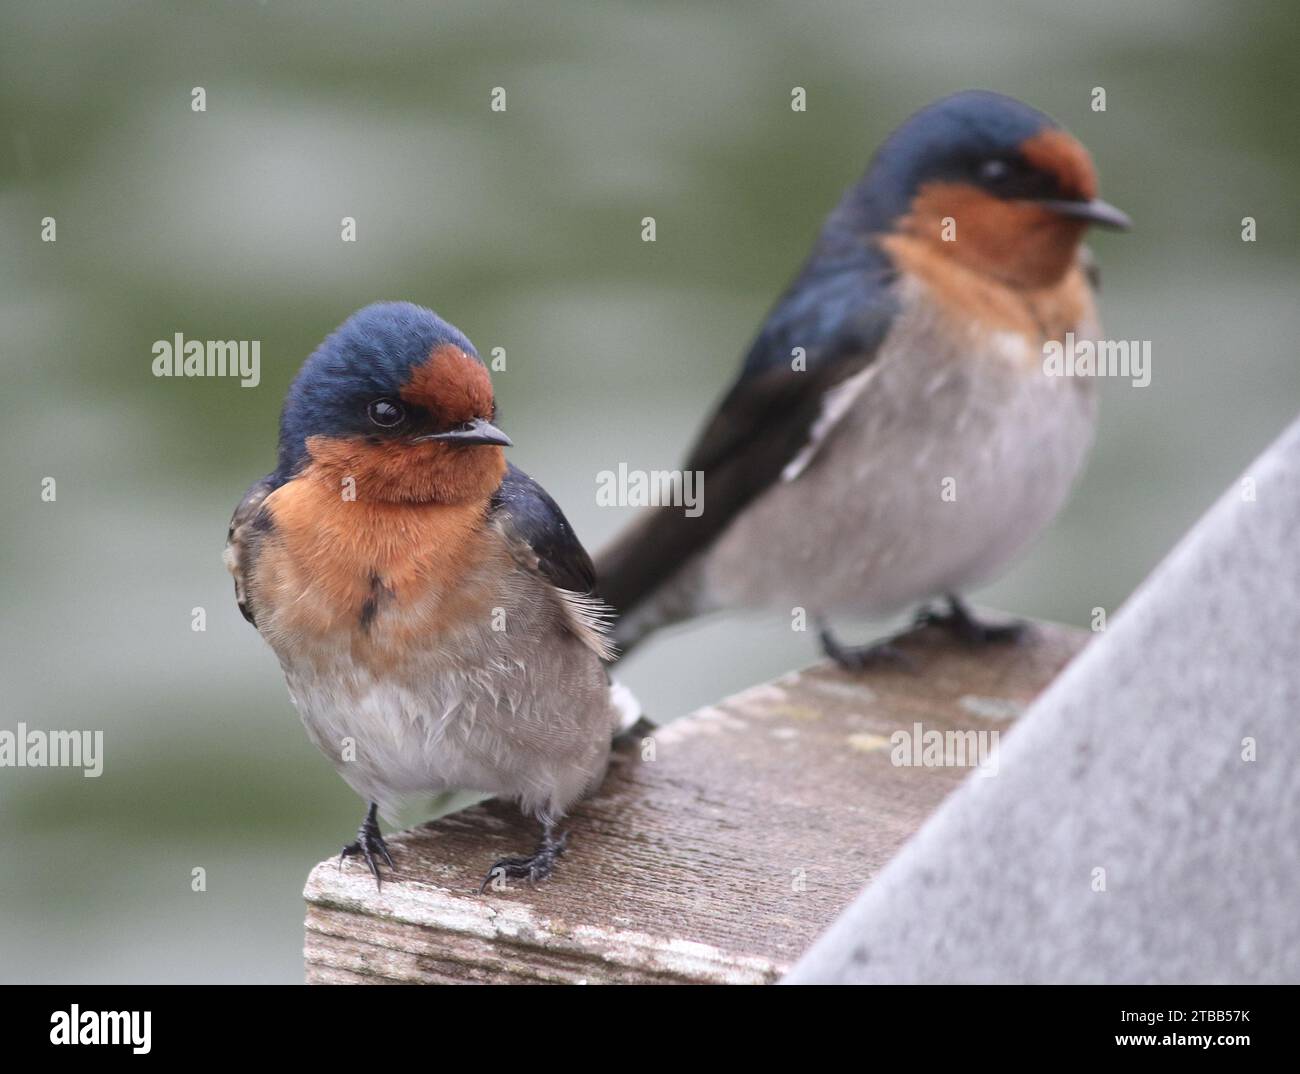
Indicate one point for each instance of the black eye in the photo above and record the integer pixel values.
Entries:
(385, 413)
(993, 171)
(1011, 177)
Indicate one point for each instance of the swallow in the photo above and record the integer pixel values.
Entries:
(893, 438)
(431, 607)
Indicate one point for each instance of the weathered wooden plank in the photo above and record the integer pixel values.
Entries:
(713, 852)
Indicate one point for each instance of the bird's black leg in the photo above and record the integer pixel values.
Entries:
(534, 868)
(861, 657)
(370, 843)
(967, 628)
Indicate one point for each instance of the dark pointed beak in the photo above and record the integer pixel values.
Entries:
(1096, 211)
(478, 431)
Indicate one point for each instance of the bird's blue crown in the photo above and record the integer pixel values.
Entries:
(942, 141)
(371, 355)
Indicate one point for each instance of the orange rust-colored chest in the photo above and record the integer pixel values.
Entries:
(385, 573)
(964, 295)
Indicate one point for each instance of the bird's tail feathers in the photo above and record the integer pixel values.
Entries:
(645, 595)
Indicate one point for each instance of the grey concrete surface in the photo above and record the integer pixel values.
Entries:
(1144, 825)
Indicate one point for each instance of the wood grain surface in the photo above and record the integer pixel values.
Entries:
(714, 851)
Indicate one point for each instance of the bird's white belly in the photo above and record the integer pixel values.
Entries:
(388, 741)
(943, 466)
(535, 728)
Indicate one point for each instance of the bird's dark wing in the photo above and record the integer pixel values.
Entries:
(542, 541)
(837, 311)
(246, 528)
(532, 520)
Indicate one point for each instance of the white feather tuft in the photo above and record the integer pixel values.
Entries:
(590, 619)
(835, 404)
(626, 705)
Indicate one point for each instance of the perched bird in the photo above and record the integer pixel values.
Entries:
(893, 437)
(430, 605)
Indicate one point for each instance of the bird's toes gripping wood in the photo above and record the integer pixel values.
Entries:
(534, 868)
(369, 845)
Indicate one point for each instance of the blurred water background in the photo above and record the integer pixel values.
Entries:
(522, 228)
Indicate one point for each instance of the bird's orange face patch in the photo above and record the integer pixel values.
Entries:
(1016, 242)
(451, 385)
(1055, 152)
(402, 472)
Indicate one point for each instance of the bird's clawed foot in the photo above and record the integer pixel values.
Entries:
(862, 657)
(965, 627)
(958, 621)
(369, 845)
(534, 868)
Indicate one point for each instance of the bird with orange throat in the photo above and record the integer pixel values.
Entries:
(430, 605)
(894, 437)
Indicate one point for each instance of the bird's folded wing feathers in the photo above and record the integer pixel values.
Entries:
(240, 540)
(827, 328)
(542, 541)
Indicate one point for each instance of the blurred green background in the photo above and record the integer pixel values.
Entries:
(523, 229)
